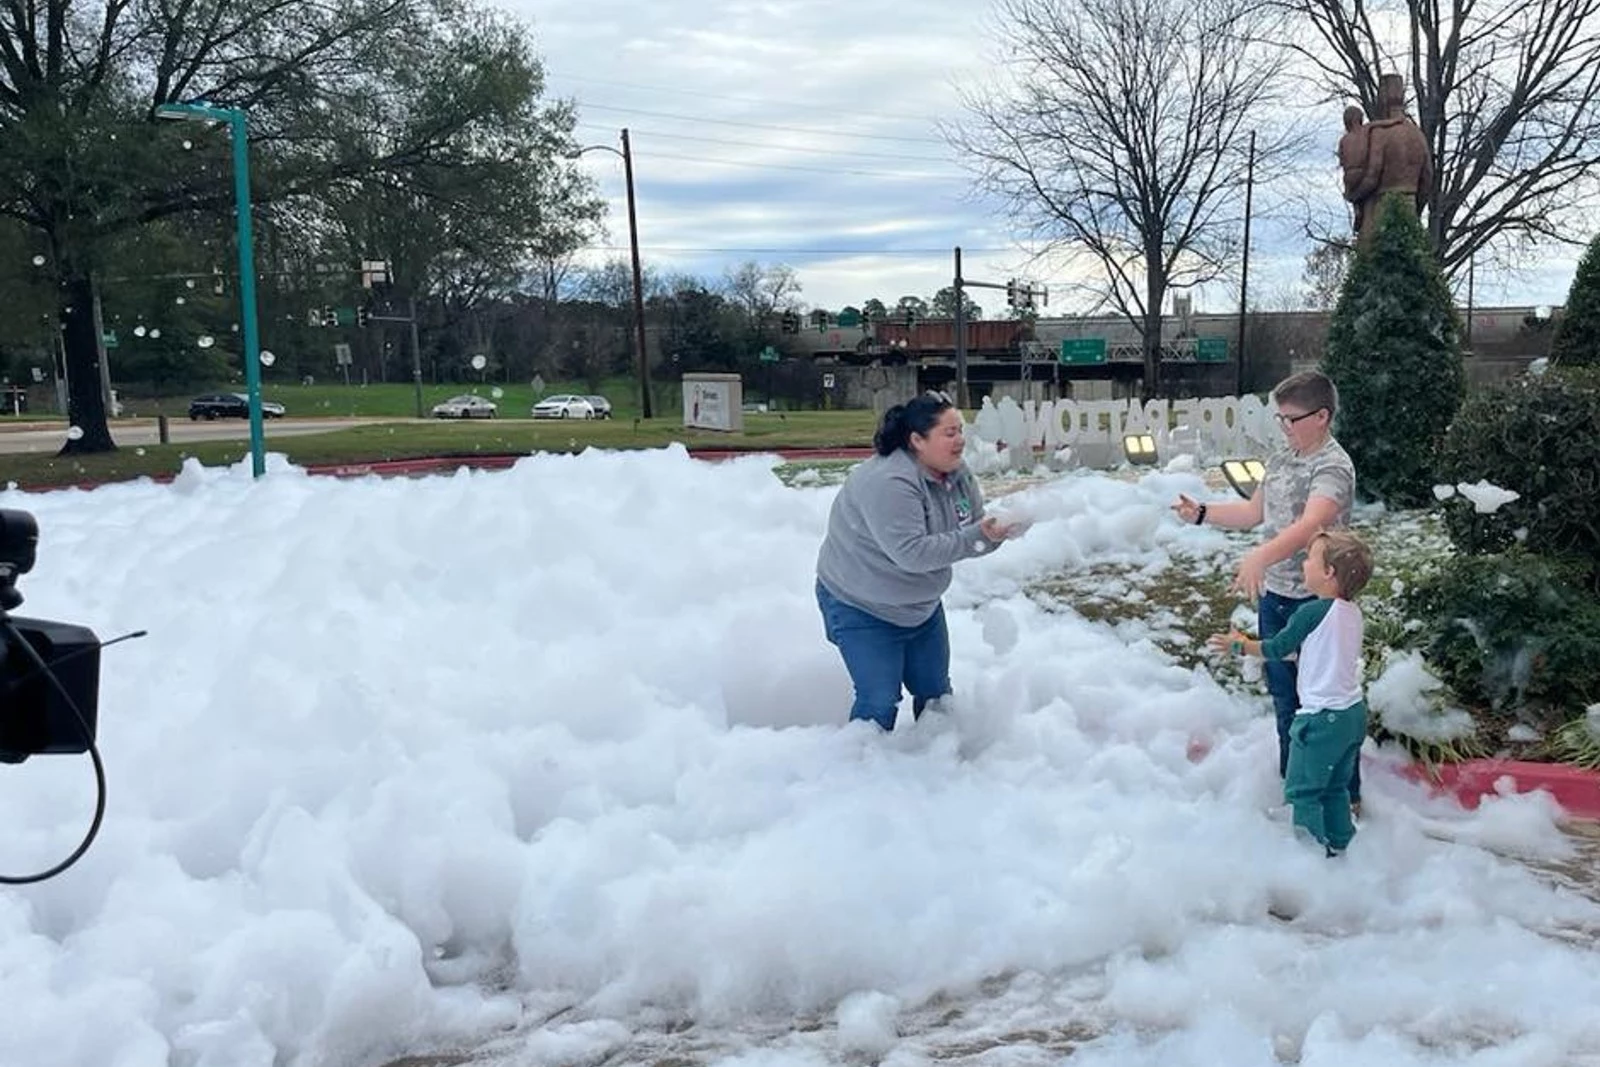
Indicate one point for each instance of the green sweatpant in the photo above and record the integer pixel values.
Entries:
(1324, 746)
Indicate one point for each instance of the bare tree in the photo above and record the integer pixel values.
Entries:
(1325, 270)
(1123, 137)
(760, 291)
(1507, 93)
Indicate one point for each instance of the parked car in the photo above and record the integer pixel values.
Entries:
(602, 406)
(230, 406)
(464, 407)
(563, 406)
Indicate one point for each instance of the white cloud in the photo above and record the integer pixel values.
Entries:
(799, 132)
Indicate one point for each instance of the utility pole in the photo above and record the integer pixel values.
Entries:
(961, 339)
(1018, 295)
(638, 281)
(416, 352)
(1244, 274)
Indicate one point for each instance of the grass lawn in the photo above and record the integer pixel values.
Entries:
(412, 440)
(333, 398)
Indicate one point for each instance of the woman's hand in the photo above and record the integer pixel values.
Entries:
(995, 530)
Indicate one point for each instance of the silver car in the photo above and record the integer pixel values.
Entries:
(464, 407)
(602, 406)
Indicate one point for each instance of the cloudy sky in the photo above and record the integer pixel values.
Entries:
(805, 133)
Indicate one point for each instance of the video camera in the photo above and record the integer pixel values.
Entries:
(49, 671)
(49, 681)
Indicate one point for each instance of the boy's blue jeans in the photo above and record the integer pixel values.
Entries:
(1272, 615)
(881, 656)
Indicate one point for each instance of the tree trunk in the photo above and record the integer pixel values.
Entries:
(1155, 293)
(86, 400)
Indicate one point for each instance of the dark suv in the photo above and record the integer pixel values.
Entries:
(230, 406)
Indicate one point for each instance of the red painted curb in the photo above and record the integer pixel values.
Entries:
(399, 468)
(402, 468)
(407, 467)
(1577, 790)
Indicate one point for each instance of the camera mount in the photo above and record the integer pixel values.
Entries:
(49, 680)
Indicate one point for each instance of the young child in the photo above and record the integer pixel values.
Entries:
(1354, 147)
(1331, 721)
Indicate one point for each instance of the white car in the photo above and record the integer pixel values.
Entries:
(464, 407)
(563, 406)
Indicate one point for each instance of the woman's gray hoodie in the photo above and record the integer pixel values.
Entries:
(893, 533)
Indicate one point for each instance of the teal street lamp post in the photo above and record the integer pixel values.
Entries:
(235, 118)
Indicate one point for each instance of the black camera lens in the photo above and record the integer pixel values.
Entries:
(19, 541)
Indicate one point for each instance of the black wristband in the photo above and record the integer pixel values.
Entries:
(1200, 516)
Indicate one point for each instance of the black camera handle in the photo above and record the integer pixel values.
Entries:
(8, 630)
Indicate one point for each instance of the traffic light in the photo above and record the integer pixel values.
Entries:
(363, 316)
(330, 317)
(790, 322)
(1011, 293)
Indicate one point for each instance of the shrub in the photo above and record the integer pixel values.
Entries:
(1394, 351)
(1540, 437)
(1577, 342)
(1515, 631)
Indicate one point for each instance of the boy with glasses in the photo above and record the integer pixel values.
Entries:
(1309, 486)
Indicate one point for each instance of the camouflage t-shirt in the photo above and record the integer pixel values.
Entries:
(1290, 480)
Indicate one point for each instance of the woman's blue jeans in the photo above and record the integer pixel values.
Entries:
(881, 657)
(1272, 615)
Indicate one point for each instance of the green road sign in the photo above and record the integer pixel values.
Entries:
(1083, 350)
(109, 338)
(769, 355)
(346, 316)
(849, 317)
(1211, 350)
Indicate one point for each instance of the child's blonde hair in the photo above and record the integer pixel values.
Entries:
(1348, 557)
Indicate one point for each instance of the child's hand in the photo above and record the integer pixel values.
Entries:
(1232, 641)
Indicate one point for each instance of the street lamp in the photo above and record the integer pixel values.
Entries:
(235, 119)
(638, 275)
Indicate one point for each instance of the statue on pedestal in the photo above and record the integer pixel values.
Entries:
(1389, 154)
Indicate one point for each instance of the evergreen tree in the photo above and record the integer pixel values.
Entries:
(1577, 342)
(1394, 351)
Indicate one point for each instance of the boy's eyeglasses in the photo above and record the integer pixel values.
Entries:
(1290, 420)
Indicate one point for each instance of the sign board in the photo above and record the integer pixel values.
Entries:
(827, 381)
(1083, 350)
(538, 385)
(1211, 350)
(769, 355)
(713, 402)
(341, 355)
(849, 317)
(109, 338)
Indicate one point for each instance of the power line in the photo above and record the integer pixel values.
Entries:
(855, 112)
(845, 152)
(807, 251)
(761, 125)
(814, 170)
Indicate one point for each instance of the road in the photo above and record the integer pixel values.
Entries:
(134, 432)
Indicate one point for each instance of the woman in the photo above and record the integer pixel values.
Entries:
(899, 522)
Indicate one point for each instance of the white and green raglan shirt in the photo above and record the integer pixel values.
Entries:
(1327, 636)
